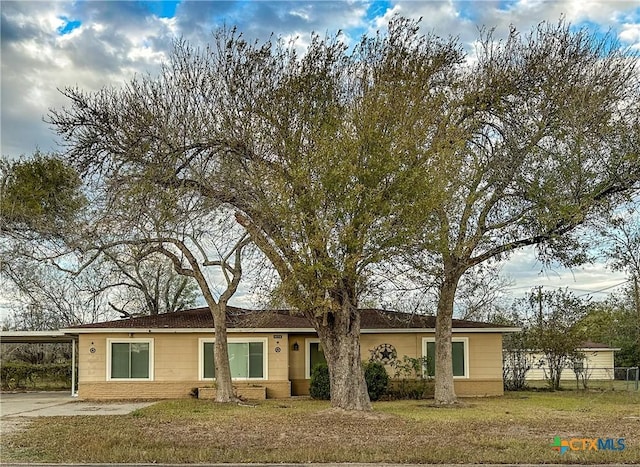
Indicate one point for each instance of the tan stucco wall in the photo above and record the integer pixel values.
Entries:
(485, 359)
(485, 356)
(175, 366)
(296, 359)
(485, 351)
(176, 371)
(405, 344)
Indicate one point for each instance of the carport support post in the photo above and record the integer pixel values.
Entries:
(73, 368)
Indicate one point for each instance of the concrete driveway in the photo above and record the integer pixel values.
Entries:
(49, 404)
(17, 408)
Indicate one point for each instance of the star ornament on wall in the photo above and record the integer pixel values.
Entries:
(384, 353)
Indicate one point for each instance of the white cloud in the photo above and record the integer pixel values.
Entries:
(147, 54)
(463, 19)
(105, 49)
(118, 39)
(630, 35)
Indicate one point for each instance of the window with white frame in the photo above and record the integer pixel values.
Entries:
(130, 359)
(247, 358)
(313, 355)
(459, 355)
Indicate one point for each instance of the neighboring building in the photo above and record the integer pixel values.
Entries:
(598, 364)
(167, 355)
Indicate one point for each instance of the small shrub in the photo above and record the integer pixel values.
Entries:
(320, 387)
(411, 379)
(411, 389)
(377, 380)
(375, 376)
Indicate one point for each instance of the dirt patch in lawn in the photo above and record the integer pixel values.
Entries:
(335, 413)
(11, 425)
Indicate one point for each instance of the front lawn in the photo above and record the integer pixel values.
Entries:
(516, 428)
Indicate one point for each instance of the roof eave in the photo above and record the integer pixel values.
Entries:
(76, 331)
(598, 349)
(34, 337)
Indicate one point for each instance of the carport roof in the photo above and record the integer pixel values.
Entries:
(34, 337)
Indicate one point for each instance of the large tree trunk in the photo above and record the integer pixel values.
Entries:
(339, 334)
(224, 386)
(636, 301)
(445, 393)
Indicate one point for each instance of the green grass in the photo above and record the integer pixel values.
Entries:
(516, 428)
(570, 385)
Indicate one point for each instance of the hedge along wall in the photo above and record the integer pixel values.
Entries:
(20, 375)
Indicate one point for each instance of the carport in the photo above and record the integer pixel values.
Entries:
(45, 337)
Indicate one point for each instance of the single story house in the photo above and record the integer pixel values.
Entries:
(597, 364)
(168, 355)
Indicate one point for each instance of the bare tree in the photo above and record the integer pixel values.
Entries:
(193, 236)
(146, 285)
(517, 358)
(305, 150)
(481, 293)
(45, 298)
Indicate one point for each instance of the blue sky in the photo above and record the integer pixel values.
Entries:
(90, 44)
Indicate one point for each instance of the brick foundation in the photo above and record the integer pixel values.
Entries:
(114, 390)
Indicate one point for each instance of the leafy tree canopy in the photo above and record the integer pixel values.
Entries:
(39, 194)
(343, 159)
(616, 322)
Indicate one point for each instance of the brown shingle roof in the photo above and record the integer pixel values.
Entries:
(271, 319)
